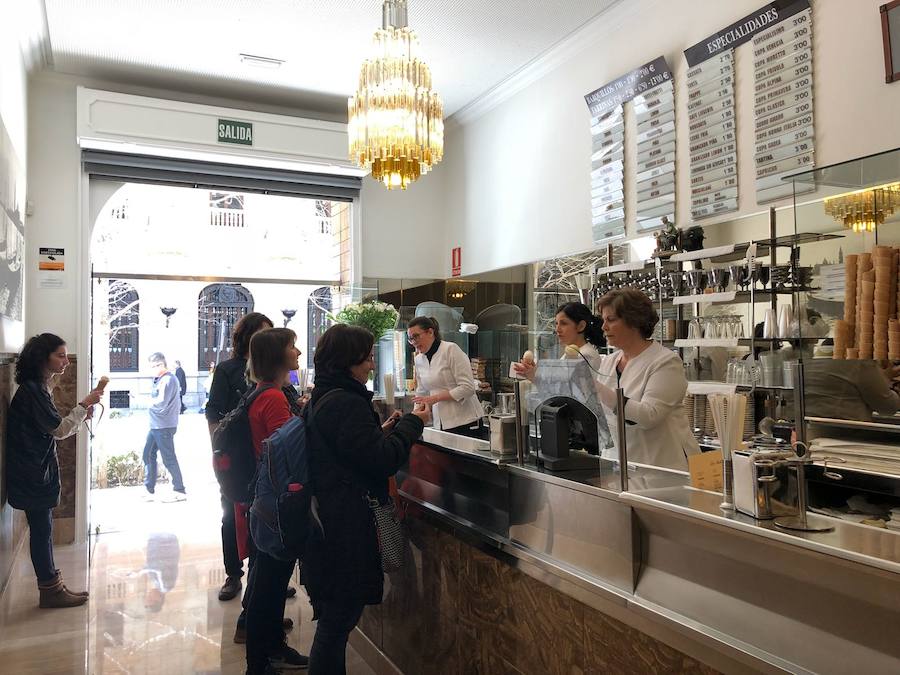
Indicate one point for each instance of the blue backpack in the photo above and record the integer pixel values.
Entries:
(281, 515)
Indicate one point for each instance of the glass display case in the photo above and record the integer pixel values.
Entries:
(850, 406)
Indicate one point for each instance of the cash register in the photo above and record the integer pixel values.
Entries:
(571, 426)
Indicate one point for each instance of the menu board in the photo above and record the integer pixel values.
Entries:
(713, 139)
(650, 87)
(655, 172)
(607, 171)
(783, 102)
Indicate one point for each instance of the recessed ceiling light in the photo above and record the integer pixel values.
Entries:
(261, 61)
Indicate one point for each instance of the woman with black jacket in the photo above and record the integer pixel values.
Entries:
(352, 456)
(33, 427)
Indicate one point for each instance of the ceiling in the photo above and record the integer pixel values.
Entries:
(195, 45)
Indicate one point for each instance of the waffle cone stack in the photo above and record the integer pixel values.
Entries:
(869, 329)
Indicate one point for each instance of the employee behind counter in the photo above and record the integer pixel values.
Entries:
(444, 380)
(652, 379)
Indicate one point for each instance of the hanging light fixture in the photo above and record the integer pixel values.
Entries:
(863, 210)
(396, 125)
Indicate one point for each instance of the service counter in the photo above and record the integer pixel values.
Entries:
(516, 569)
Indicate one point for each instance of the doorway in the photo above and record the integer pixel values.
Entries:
(173, 269)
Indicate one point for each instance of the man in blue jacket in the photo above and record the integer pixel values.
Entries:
(164, 410)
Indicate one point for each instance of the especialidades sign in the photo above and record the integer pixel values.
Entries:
(742, 31)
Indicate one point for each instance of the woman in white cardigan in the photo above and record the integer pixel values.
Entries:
(444, 380)
(652, 377)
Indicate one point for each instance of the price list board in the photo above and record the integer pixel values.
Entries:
(607, 174)
(654, 112)
(650, 88)
(783, 102)
(713, 139)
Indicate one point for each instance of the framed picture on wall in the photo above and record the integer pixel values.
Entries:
(890, 33)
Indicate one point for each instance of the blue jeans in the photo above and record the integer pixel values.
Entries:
(329, 648)
(164, 441)
(40, 526)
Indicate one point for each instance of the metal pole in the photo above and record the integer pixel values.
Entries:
(520, 432)
(620, 431)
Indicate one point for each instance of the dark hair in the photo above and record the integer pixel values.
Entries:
(267, 353)
(341, 347)
(426, 323)
(633, 307)
(244, 329)
(34, 356)
(578, 312)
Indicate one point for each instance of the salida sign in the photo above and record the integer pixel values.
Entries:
(232, 131)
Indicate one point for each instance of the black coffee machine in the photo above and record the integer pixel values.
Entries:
(569, 438)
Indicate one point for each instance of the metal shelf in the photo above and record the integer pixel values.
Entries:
(855, 424)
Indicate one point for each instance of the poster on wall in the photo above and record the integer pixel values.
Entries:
(12, 228)
(650, 87)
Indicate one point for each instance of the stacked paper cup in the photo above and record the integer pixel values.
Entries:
(885, 298)
(851, 289)
(843, 338)
(870, 327)
(894, 340)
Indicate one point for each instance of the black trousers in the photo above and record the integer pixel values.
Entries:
(234, 566)
(269, 579)
(40, 527)
(328, 655)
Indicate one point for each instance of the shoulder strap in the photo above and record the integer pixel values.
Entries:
(250, 396)
(312, 408)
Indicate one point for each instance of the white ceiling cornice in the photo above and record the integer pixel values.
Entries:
(34, 35)
(586, 36)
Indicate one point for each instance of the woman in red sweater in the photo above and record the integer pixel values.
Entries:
(273, 355)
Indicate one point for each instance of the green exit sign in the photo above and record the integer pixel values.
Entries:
(231, 131)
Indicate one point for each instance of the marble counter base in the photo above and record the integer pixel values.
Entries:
(455, 609)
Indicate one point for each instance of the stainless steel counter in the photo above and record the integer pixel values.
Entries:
(725, 588)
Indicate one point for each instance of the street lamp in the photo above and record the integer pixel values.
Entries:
(288, 315)
(168, 312)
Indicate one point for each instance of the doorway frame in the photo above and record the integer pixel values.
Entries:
(84, 278)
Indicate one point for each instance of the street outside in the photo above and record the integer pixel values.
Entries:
(123, 508)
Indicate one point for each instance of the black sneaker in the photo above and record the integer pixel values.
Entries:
(288, 658)
(269, 670)
(291, 592)
(230, 589)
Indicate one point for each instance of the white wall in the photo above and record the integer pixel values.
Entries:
(517, 178)
(14, 112)
(402, 230)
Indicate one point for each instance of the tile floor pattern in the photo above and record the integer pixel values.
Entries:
(127, 627)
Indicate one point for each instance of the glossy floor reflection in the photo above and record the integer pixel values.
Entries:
(153, 609)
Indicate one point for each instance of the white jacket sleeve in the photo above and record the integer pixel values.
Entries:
(70, 422)
(664, 394)
(461, 368)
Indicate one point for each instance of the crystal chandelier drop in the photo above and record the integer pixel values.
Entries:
(396, 126)
(863, 210)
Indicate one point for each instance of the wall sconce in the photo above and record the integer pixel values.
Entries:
(168, 312)
(288, 315)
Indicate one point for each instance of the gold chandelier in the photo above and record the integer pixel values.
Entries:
(863, 210)
(396, 126)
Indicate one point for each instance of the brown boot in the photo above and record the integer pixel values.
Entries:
(82, 594)
(54, 595)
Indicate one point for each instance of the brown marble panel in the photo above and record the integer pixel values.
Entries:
(12, 521)
(370, 625)
(65, 398)
(420, 606)
(456, 609)
(613, 647)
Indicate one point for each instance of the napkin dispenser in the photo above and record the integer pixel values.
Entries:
(761, 483)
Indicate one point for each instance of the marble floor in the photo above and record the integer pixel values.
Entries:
(129, 627)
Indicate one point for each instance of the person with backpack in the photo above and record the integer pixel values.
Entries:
(352, 456)
(273, 355)
(229, 384)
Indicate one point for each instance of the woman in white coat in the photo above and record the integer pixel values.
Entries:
(576, 326)
(652, 377)
(444, 380)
